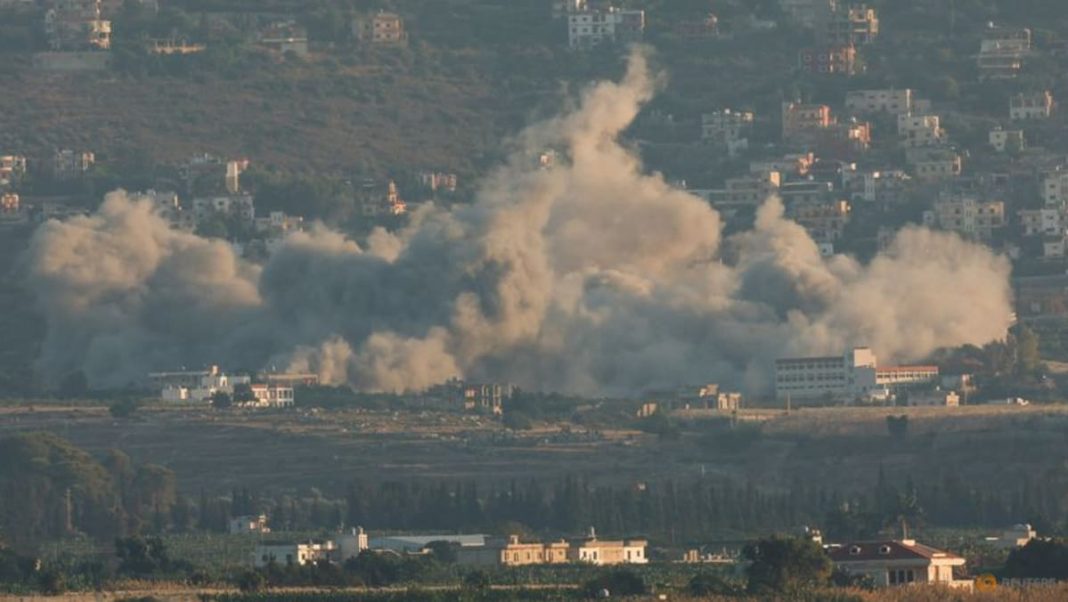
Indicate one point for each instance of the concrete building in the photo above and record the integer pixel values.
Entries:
(801, 120)
(513, 552)
(966, 215)
(727, 128)
(934, 163)
(408, 544)
(898, 563)
(196, 385)
(825, 221)
(244, 525)
(74, 25)
(10, 204)
(285, 36)
(562, 8)
(916, 131)
(829, 60)
(848, 377)
(1007, 140)
(591, 550)
(489, 397)
(810, 14)
(12, 169)
(590, 28)
(1002, 52)
(933, 399)
(269, 396)
(1055, 188)
(791, 164)
(68, 164)
(239, 206)
(376, 201)
(1041, 222)
(893, 101)
(1024, 107)
(1017, 537)
(292, 554)
(878, 186)
(380, 29)
(751, 189)
(850, 25)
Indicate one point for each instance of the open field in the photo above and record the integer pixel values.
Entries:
(839, 448)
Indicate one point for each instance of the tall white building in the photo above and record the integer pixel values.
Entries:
(851, 376)
(591, 28)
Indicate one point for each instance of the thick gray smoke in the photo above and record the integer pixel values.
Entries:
(591, 277)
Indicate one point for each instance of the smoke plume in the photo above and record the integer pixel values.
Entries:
(590, 277)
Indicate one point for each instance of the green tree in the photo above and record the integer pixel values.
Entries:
(786, 564)
(221, 400)
(1039, 559)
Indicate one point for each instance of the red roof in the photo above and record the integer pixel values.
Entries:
(861, 551)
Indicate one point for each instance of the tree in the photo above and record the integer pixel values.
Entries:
(250, 582)
(243, 393)
(1039, 559)
(620, 582)
(897, 426)
(786, 564)
(1028, 360)
(221, 400)
(124, 408)
(711, 584)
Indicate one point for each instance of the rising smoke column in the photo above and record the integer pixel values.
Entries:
(592, 277)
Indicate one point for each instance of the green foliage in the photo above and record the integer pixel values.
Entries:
(517, 421)
(251, 581)
(221, 400)
(1039, 559)
(124, 408)
(660, 424)
(618, 583)
(786, 564)
(713, 584)
(477, 581)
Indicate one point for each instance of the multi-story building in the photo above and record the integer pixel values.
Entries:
(1007, 140)
(590, 28)
(934, 163)
(1002, 52)
(1031, 106)
(12, 169)
(77, 25)
(1055, 188)
(829, 60)
(513, 552)
(68, 164)
(878, 186)
(851, 376)
(824, 221)
(196, 386)
(376, 201)
(489, 397)
(801, 121)
(751, 189)
(591, 550)
(893, 101)
(966, 216)
(810, 14)
(10, 205)
(791, 164)
(920, 130)
(285, 37)
(726, 126)
(807, 191)
(239, 206)
(268, 395)
(1041, 222)
(381, 29)
(852, 25)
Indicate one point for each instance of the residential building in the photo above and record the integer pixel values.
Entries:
(284, 37)
(269, 396)
(1031, 106)
(9, 204)
(850, 25)
(1055, 188)
(12, 169)
(238, 206)
(707, 27)
(933, 399)
(591, 550)
(934, 163)
(68, 164)
(1007, 140)
(376, 201)
(278, 224)
(851, 376)
(243, 525)
(1002, 52)
(966, 215)
(807, 191)
(824, 221)
(1041, 222)
(916, 131)
(726, 126)
(591, 28)
(168, 47)
(728, 402)
(751, 189)
(511, 551)
(196, 385)
(894, 377)
(407, 544)
(562, 8)
(792, 164)
(439, 181)
(893, 101)
(898, 563)
(72, 25)
(829, 60)
(291, 379)
(1017, 537)
(381, 29)
(801, 120)
(489, 397)
(810, 14)
(293, 554)
(878, 186)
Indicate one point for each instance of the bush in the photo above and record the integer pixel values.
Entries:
(518, 421)
(124, 408)
(251, 582)
(711, 584)
(620, 582)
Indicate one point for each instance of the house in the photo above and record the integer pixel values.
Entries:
(380, 29)
(237, 206)
(376, 200)
(1002, 52)
(751, 189)
(342, 547)
(1016, 537)
(277, 224)
(243, 525)
(1055, 188)
(68, 164)
(285, 36)
(728, 402)
(920, 130)
(1024, 107)
(893, 101)
(898, 563)
(829, 60)
(269, 396)
(75, 25)
(435, 181)
(966, 215)
(511, 551)
(878, 186)
(1007, 140)
(726, 126)
(591, 550)
(9, 204)
(489, 397)
(590, 28)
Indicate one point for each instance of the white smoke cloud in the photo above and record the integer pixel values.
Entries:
(592, 277)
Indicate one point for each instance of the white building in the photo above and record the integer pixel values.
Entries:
(591, 28)
(920, 130)
(1045, 222)
(270, 396)
(895, 102)
(1031, 106)
(344, 546)
(725, 126)
(591, 550)
(1055, 188)
(898, 563)
(244, 525)
(1016, 537)
(934, 163)
(848, 377)
(195, 386)
(12, 168)
(1002, 52)
(966, 216)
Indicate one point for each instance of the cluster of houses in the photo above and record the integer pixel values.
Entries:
(470, 550)
(269, 390)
